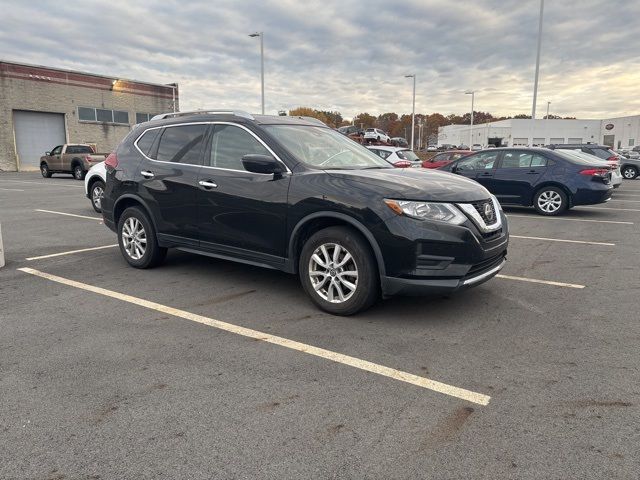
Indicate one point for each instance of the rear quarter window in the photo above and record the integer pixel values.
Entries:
(145, 142)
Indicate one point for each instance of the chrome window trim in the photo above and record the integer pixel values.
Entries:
(135, 143)
(478, 220)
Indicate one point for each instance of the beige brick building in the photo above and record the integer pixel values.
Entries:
(41, 107)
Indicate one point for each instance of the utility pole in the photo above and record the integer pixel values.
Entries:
(535, 83)
(261, 35)
(413, 110)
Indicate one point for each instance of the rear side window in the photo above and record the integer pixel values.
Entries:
(523, 160)
(146, 141)
(182, 144)
(598, 152)
(229, 144)
(79, 149)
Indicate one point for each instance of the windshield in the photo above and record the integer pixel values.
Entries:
(407, 155)
(324, 148)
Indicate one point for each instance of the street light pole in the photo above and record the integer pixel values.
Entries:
(535, 83)
(548, 103)
(473, 95)
(413, 110)
(261, 35)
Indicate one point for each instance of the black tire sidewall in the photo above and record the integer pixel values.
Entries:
(44, 170)
(76, 169)
(368, 279)
(153, 253)
(97, 183)
(563, 208)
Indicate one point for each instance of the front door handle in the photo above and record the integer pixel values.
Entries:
(532, 172)
(208, 184)
(147, 174)
(487, 175)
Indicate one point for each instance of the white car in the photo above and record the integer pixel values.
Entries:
(397, 156)
(376, 134)
(476, 147)
(616, 175)
(432, 148)
(94, 183)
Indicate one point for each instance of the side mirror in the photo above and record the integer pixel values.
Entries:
(261, 164)
(47, 154)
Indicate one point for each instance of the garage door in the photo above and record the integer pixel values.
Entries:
(36, 133)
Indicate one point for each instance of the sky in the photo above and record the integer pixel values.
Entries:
(349, 56)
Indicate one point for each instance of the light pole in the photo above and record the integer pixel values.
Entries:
(261, 35)
(473, 95)
(535, 83)
(413, 110)
(173, 87)
(548, 103)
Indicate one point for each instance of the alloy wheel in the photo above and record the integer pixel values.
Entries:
(629, 173)
(134, 238)
(549, 201)
(333, 273)
(77, 172)
(98, 193)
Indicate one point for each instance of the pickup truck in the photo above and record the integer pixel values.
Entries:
(75, 159)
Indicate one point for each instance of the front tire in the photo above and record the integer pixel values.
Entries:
(138, 241)
(96, 193)
(78, 172)
(338, 271)
(550, 201)
(629, 173)
(44, 170)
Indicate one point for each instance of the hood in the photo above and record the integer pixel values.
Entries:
(417, 184)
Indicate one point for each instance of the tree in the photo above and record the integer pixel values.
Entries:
(308, 112)
(364, 120)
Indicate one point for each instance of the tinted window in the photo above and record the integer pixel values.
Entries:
(79, 149)
(230, 143)
(441, 157)
(455, 156)
(146, 140)
(181, 144)
(57, 150)
(523, 160)
(120, 117)
(407, 155)
(479, 161)
(598, 152)
(87, 114)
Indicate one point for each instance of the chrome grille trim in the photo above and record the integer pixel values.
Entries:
(472, 213)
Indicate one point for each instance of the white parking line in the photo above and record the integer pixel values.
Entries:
(614, 209)
(44, 184)
(69, 214)
(70, 252)
(562, 240)
(534, 280)
(399, 375)
(625, 194)
(569, 219)
(12, 189)
(623, 200)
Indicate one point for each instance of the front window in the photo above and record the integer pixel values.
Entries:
(324, 148)
(479, 161)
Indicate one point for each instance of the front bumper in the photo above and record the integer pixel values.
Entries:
(417, 287)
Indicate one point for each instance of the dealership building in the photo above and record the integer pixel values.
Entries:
(621, 132)
(42, 107)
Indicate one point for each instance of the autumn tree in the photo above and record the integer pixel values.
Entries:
(308, 112)
(364, 120)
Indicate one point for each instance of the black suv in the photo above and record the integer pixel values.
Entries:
(292, 194)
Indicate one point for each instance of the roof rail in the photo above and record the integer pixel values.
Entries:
(237, 113)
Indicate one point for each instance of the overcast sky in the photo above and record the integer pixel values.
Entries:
(349, 56)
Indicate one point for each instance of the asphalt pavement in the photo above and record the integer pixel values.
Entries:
(115, 373)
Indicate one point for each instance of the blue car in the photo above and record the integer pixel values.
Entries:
(549, 180)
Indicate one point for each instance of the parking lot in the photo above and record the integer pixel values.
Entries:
(204, 368)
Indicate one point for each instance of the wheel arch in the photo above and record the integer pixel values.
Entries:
(129, 200)
(317, 221)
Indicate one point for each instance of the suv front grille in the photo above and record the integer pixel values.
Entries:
(486, 210)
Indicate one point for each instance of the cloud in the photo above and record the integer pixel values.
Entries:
(349, 56)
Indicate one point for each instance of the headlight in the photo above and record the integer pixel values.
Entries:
(443, 212)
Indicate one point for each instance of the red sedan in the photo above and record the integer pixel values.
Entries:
(445, 158)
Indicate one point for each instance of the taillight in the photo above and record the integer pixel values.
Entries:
(111, 161)
(612, 158)
(594, 172)
(402, 164)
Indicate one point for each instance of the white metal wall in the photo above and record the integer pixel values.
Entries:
(36, 133)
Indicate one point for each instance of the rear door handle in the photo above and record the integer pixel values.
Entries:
(147, 174)
(487, 174)
(532, 172)
(208, 184)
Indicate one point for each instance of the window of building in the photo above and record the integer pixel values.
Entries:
(182, 144)
(101, 115)
(143, 117)
(631, 142)
(87, 114)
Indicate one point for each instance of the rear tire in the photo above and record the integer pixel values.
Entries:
(96, 193)
(629, 173)
(44, 170)
(338, 271)
(138, 240)
(78, 172)
(550, 201)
